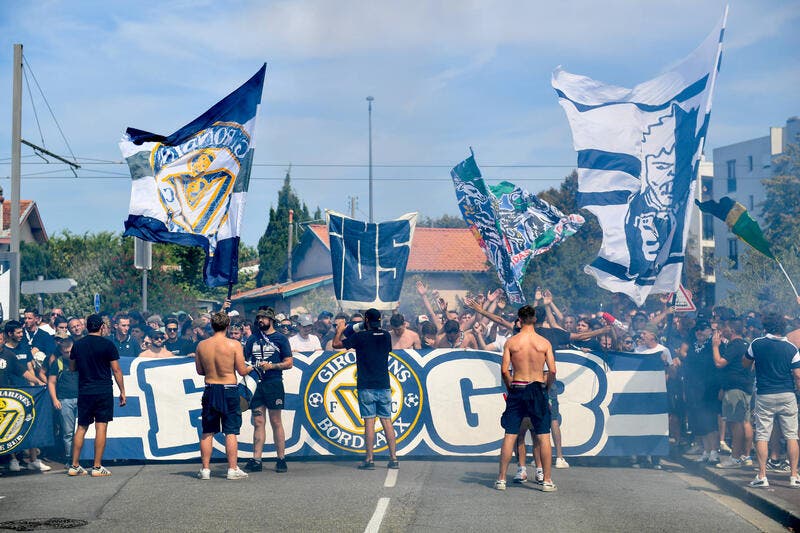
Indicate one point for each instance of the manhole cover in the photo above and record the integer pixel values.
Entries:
(42, 523)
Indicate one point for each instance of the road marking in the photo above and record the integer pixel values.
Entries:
(377, 517)
(391, 479)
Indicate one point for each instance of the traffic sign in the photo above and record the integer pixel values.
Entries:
(48, 286)
(96, 303)
(683, 300)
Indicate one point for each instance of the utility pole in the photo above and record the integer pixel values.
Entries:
(291, 237)
(16, 155)
(353, 204)
(370, 100)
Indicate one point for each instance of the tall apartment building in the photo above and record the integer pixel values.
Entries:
(738, 173)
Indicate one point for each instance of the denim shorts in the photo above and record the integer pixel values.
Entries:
(375, 402)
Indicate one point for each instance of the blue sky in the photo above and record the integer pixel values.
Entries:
(445, 75)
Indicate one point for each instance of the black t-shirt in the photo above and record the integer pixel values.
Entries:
(40, 339)
(93, 355)
(372, 348)
(775, 359)
(699, 364)
(66, 380)
(734, 374)
(274, 348)
(11, 369)
(179, 346)
(558, 337)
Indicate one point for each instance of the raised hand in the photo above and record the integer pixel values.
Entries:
(421, 288)
(547, 297)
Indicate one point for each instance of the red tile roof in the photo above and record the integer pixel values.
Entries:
(24, 205)
(435, 250)
(285, 289)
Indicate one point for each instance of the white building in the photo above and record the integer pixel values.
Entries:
(738, 173)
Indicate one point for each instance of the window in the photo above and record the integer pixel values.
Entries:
(749, 163)
(731, 175)
(733, 253)
(708, 226)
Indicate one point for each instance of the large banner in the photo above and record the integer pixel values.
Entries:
(446, 402)
(26, 419)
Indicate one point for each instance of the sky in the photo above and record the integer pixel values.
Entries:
(445, 76)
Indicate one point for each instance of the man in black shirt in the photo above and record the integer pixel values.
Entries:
(175, 343)
(94, 358)
(126, 345)
(372, 345)
(736, 382)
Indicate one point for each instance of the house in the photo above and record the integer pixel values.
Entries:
(31, 227)
(441, 256)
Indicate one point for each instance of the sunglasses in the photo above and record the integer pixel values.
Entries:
(172, 329)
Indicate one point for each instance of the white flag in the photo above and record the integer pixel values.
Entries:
(638, 154)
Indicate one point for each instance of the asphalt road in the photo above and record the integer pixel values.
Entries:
(335, 496)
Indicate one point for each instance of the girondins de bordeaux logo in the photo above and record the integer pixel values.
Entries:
(17, 414)
(331, 402)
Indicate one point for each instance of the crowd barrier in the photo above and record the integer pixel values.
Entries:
(445, 402)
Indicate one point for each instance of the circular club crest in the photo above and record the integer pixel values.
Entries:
(331, 402)
(17, 414)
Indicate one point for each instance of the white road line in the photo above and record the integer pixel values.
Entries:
(391, 479)
(377, 517)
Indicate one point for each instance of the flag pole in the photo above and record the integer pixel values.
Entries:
(788, 278)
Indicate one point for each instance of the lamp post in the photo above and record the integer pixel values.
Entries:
(369, 100)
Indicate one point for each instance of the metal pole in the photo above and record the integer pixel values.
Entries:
(16, 154)
(370, 99)
(144, 290)
(289, 250)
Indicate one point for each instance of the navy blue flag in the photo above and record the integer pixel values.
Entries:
(189, 188)
(369, 259)
(26, 419)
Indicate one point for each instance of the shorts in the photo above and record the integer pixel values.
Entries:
(95, 408)
(221, 410)
(375, 402)
(702, 408)
(736, 405)
(527, 401)
(269, 394)
(768, 406)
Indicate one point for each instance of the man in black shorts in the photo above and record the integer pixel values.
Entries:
(270, 351)
(94, 358)
(218, 359)
(372, 345)
(527, 352)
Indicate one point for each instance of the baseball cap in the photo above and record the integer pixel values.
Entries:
(325, 314)
(372, 315)
(267, 312)
(305, 320)
(701, 324)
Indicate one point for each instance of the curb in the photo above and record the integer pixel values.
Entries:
(785, 515)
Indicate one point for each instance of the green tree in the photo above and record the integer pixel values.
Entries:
(272, 246)
(444, 221)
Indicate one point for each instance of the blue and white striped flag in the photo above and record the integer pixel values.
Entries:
(638, 155)
(369, 259)
(189, 188)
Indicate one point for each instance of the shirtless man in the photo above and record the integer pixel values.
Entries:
(453, 337)
(156, 349)
(527, 352)
(402, 337)
(217, 358)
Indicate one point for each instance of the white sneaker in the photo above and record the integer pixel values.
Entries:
(539, 476)
(794, 482)
(723, 447)
(500, 484)
(729, 462)
(14, 466)
(549, 486)
(237, 473)
(759, 482)
(713, 457)
(561, 463)
(39, 466)
(522, 475)
(204, 473)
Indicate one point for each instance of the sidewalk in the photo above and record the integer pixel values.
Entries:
(778, 501)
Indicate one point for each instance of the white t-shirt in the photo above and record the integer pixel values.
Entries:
(659, 349)
(299, 344)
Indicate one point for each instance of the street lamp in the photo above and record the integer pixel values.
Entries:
(369, 100)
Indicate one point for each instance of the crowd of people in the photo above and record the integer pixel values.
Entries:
(708, 359)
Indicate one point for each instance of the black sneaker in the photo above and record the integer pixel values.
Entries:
(280, 465)
(394, 464)
(253, 466)
(367, 465)
(773, 465)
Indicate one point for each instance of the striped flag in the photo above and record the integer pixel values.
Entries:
(638, 154)
(189, 188)
(739, 221)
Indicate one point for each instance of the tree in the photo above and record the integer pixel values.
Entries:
(444, 221)
(272, 246)
(759, 280)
